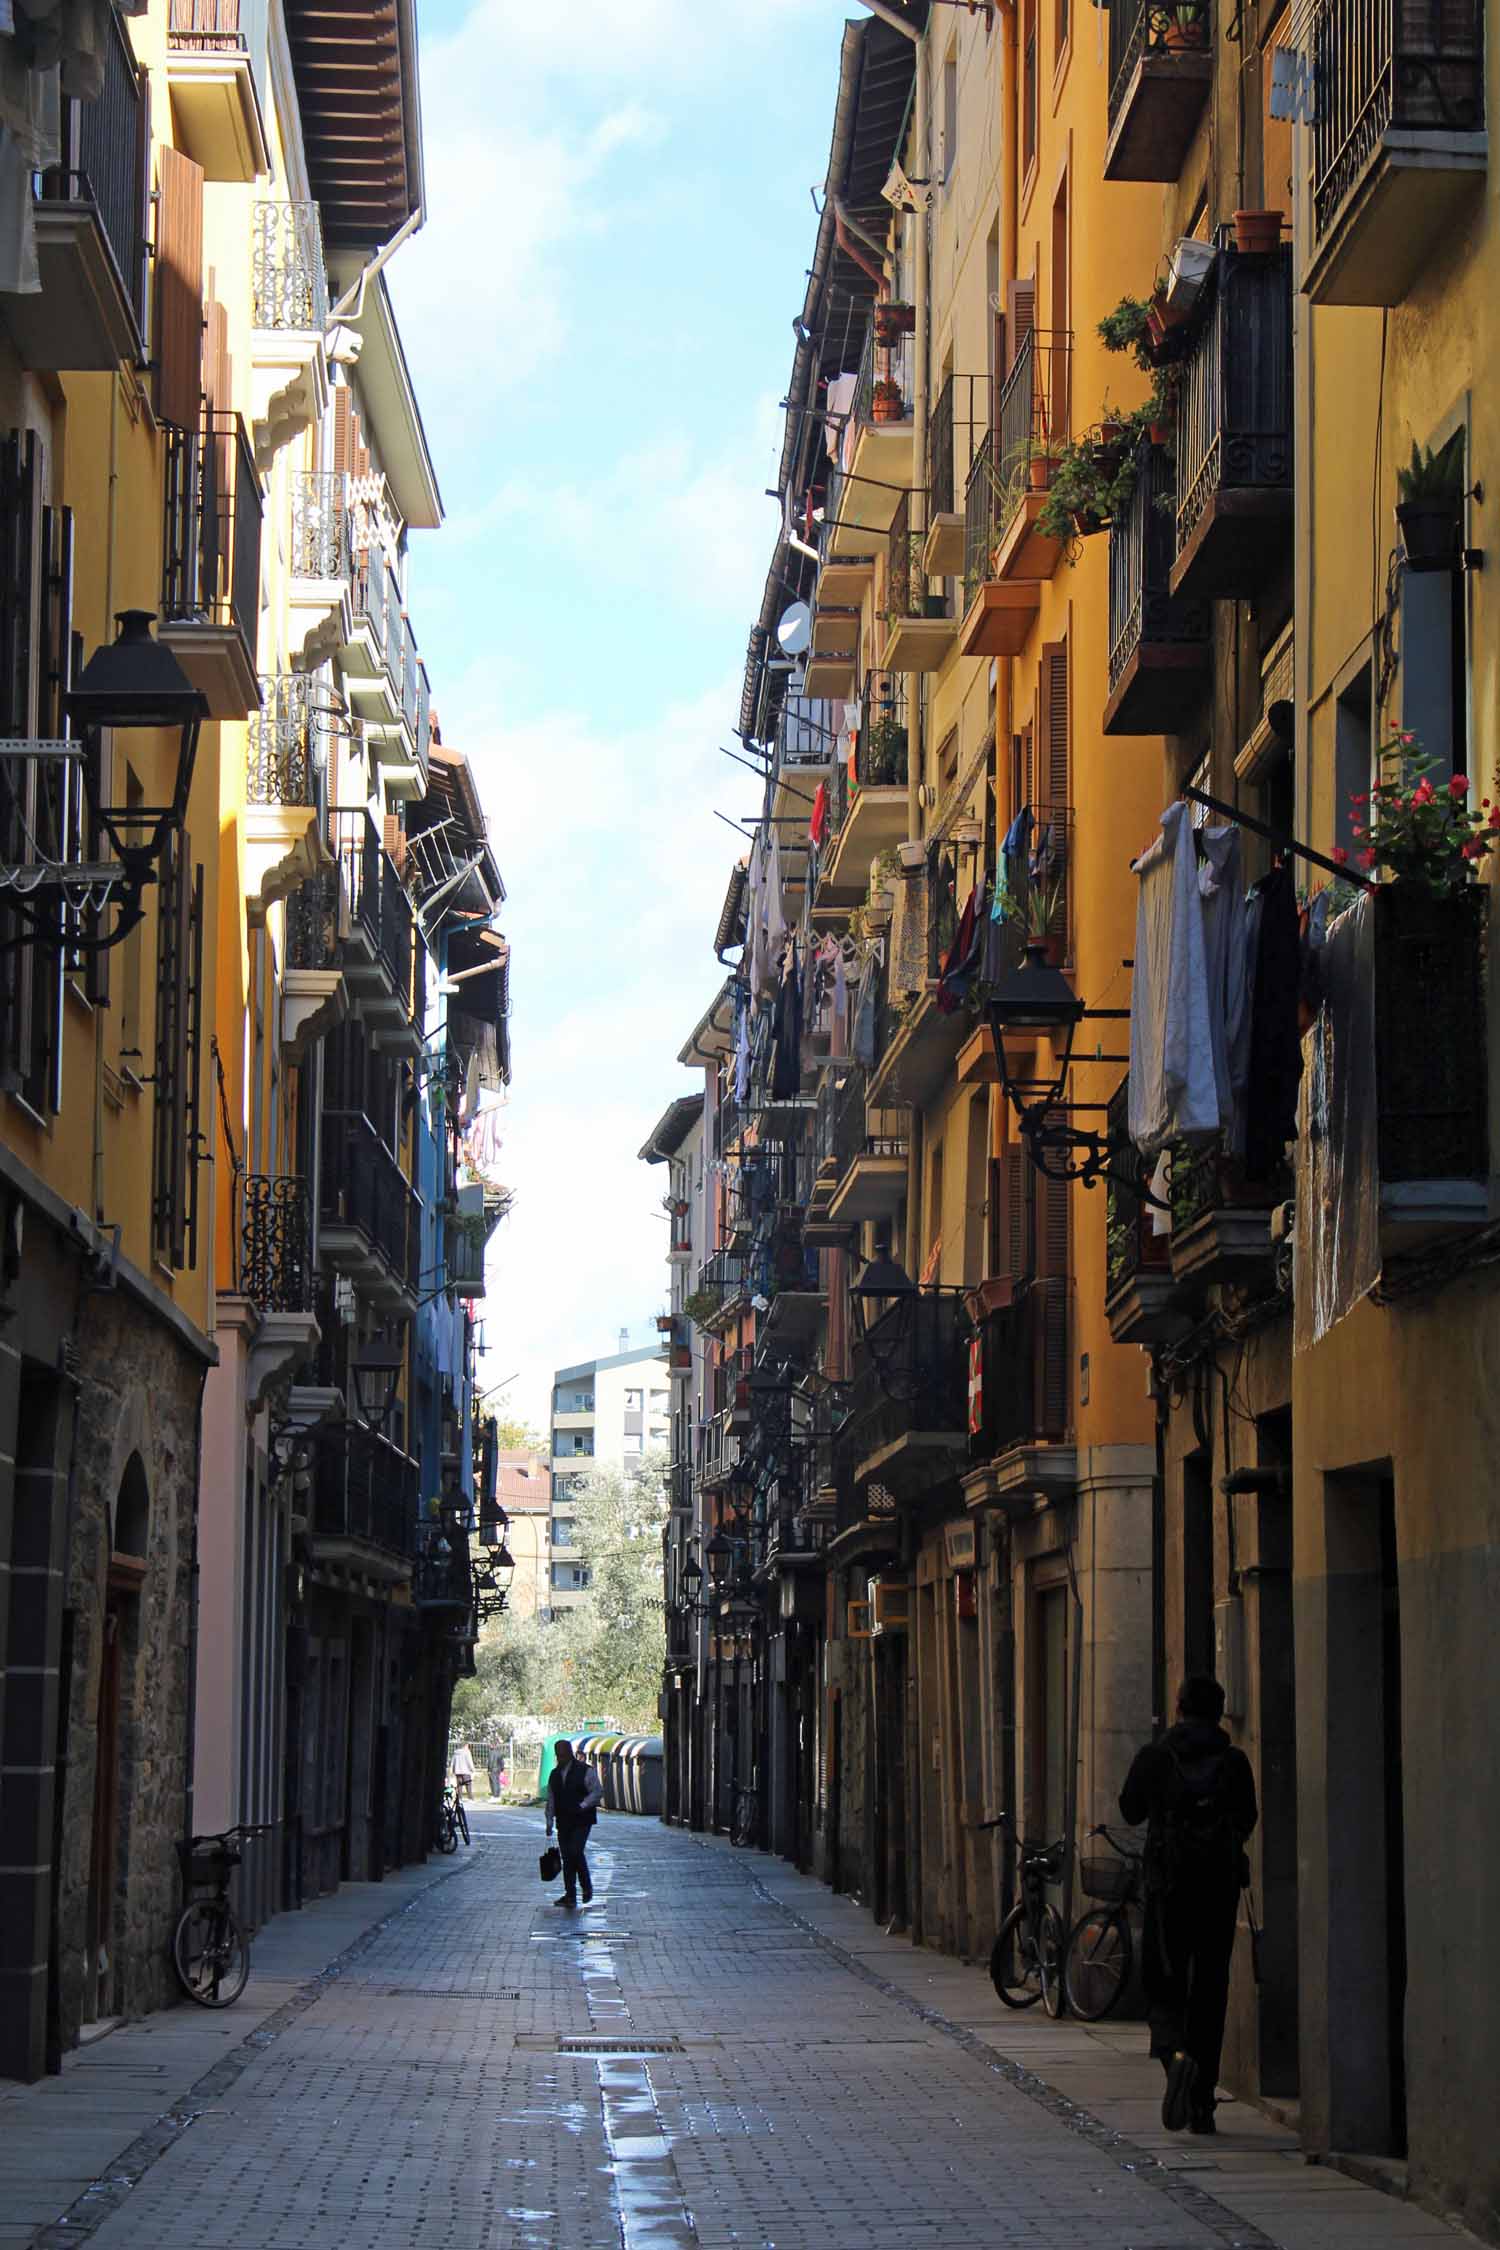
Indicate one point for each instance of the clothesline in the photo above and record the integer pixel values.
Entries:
(1273, 836)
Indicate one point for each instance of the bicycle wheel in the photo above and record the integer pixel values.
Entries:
(210, 1953)
(462, 1818)
(1015, 1969)
(447, 1834)
(1052, 1961)
(1097, 1967)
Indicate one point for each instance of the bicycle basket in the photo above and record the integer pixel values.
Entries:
(1112, 1879)
(207, 1863)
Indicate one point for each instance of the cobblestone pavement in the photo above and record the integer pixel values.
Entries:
(759, 2066)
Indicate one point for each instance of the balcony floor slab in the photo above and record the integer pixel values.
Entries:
(1413, 195)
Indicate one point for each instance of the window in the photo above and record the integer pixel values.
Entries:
(634, 1401)
(633, 1441)
(562, 1531)
(950, 114)
(1435, 666)
(179, 984)
(1353, 756)
(1050, 1685)
(1028, 86)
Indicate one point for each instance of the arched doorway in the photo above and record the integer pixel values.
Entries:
(129, 1532)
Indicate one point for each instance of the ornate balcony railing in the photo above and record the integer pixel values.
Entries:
(288, 278)
(377, 900)
(981, 514)
(312, 922)
(910, 1377)
(371, 574)
(320, 525)
(1414, 66)
(212, 527)
(1034, 415)
(276, 1242)
(361, 1185)
(282, 760)
(879, 364)
(1234, 423)
(1023, 1392)
(364, 1488)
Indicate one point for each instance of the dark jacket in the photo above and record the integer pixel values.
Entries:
(573, 1792)
(1153, 1783)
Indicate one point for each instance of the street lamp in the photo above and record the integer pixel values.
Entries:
(377, 1369)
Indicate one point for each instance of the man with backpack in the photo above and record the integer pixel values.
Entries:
(1197, 1794)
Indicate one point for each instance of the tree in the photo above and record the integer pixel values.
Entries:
(512, 1435)
(618, 1533)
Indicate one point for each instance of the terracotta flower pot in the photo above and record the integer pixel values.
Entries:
(1256, 232)
(1184, 38)
(887, 404)
(1039, 471)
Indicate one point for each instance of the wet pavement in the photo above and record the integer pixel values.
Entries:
(717, 2053)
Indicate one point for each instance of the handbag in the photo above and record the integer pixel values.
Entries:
(550, 1864)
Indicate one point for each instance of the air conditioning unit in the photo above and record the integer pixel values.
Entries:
(889, 1606)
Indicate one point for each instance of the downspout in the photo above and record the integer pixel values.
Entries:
(916, 760)
(1009, 240)
(852, 251)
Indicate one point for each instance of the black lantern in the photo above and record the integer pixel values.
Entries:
(720, 1553)
(133, 682)
(885, 1302)
(377, 1369)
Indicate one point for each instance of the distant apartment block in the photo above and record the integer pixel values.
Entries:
(606, 1414)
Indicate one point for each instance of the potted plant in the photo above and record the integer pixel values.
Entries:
(702, 1306)
(884, 761)
(1422, 829)
(1183, 28)
(1044, 903)
(1256, 232)
(1428, 512)
(887, 404)
(892, 321)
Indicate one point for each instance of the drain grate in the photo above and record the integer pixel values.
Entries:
(438, 1992)
(621, 2046)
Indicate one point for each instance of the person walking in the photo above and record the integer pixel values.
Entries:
(1196, 1793)
(463, 1771)
(574, 1791)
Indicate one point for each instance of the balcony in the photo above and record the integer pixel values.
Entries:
(276, 1275)
(1221, 1226)
(441, 1578)
(868, 812)
(1032, 428)
(1142, 1302)
(211, 80)
(875, 448)
(89, 224)
(466, 1236)
(289, 312)
(920, 1046)
(1234, 431)
(908, 1421)
(920, 626)
(396, 704)
(723, 1279)
(1399, 142)
(369, 1219)
(210, 602)
(281, 829)
(320, 595)
(377, 934)
(313, 997)
(959, 423)
(999, 613)
(1019, 1393)
(807, 735)
(363, 656)
(1158, 645)
(1161, 67)
(364, 1502)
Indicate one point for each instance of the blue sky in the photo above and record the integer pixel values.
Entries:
(598, 315)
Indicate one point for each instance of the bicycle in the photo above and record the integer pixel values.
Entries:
(746, 1817)
(1101, 1945)
(453, 1822)
(1026, 1959)
(210, 1951)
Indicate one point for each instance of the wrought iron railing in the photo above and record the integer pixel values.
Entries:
(1035, 876)
(910, 1374)
(1131, 1238)
(1138, 27)
(1033, 417)
(981, 514)
(905, 578)
(1408, 65)
(441, 1576)
(884, 365)
(212, 527)
(276, 1268)
(1142, 543)
(370, 575)
(1234, 401)
(288, 278)
(361, 1185)
(806, 732)
(106, 163)
(312, 922)
(364, 1488)
(209, 24)
(320, 525)
(1023, 1396)
(960, 419)
(880, 751)
(282, 755)
(377, 901)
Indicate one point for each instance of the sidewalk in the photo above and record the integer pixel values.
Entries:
(1254, 2166)
(120, 2100)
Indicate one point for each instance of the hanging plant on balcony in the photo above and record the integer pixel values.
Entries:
(1182, 29)
(1091, 485)
(1429, 511)
(1418, 829)
(885, 753)
(702, 1306)
(887, 404)
(893, 321)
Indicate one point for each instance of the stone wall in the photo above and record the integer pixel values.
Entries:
(139, 1392)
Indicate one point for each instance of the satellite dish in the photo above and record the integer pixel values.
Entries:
(794, 633)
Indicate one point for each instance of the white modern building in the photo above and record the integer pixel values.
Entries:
(606, 1414)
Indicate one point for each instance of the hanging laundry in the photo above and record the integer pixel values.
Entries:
(1173, 1084)
(786, 1064)
(1226, 973)
(817, 826)
(962, 961)
(862, 1041)
(838, 1035)
(742, 1046)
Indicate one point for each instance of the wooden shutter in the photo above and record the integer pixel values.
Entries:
(179, 289)
(1054, 774)
(1049, 1305)
(1014, 1218)
(1020, 316)
(344, 419)
(179, 979)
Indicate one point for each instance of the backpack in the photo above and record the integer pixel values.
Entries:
(1198, 1843)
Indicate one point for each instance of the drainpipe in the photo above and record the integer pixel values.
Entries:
(916, 756)
(850, 248)
(1010, 189)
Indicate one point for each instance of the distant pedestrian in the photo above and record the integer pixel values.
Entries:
(497, 1773)
(463, 1771)
(574, 1791)
(1197, 1793)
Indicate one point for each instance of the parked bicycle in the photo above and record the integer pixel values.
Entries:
(453, 1821)
(1101, 1944)
(210, 1951)
(746, 1816)
(1026, 1960)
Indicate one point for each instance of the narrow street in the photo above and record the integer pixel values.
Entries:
(720, 2052)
